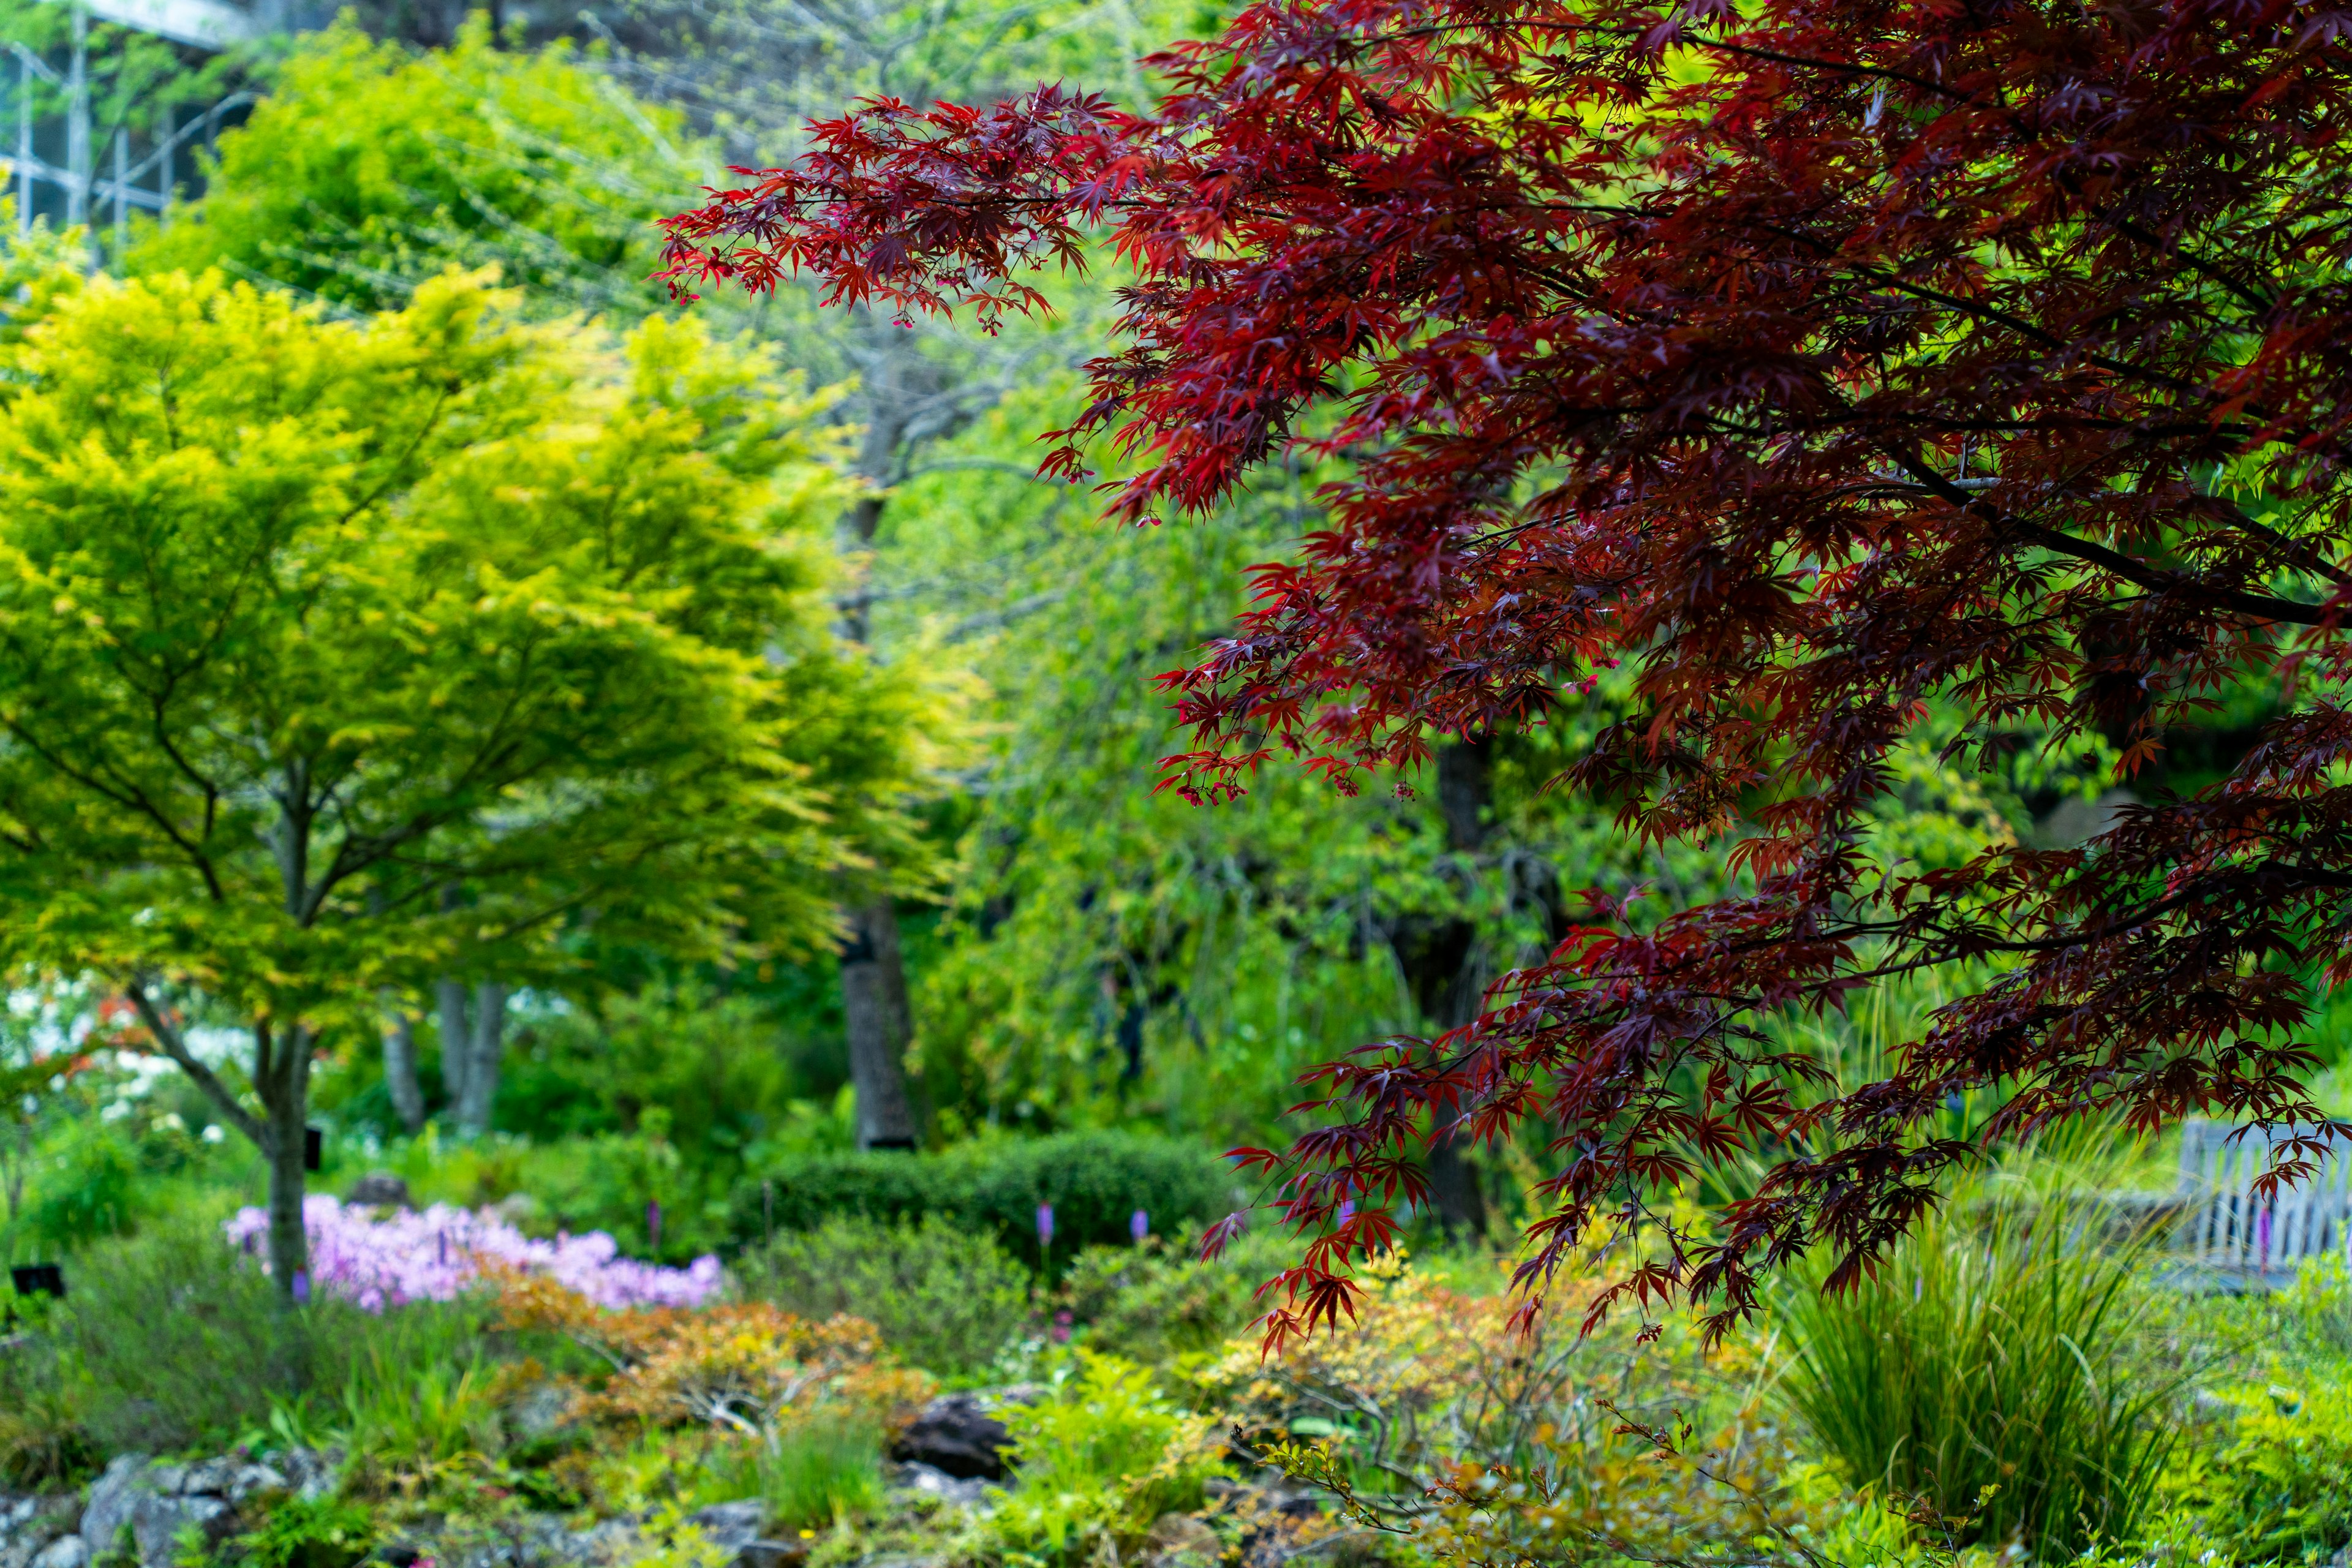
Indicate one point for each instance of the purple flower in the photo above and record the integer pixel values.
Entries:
(1045, 1225)
(435, 1254)
(1138, 1225)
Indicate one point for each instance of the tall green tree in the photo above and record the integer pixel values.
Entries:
(337, 658)
(370, 168)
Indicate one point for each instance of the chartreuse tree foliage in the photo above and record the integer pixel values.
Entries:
(337, 658)
(369, 168)
(1832, 370)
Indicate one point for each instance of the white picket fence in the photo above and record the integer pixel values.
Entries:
(2226, 1227)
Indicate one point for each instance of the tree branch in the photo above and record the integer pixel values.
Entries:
(219, 1093)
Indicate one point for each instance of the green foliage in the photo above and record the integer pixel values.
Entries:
(1095, 1182)
(309, 1533)
(168, 1338)
(471, 626)
(370, 168)
(1996, 1356)
(2280, 1490)
(403, 1412)
(2271, 1478)
(946, 1298)
(1158, 1301)
(812, 1474)
(708, 1063)
(1099, 1458)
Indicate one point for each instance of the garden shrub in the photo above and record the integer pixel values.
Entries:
(2281, 1489)
(944, 1297)
(2274, 1482)
(1095, 1182)
(1157, 1301)
(1434, 1417)
(170, 1338)
(309, 1533)
(1998, 1349)
(1099, 1458)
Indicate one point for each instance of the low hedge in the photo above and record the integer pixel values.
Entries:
(1095, 1182)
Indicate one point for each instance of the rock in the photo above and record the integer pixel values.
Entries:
(955, 1434)
(379, 1189)
(312, 1471)
(65, 1552)
(112, 1496)
(28, 1525)
(2077, 820)
(771, 1554)
(929, 1480)
(211, 1478)
(730, 1525)
(157, 1524)
(1179, 1538)
(251, 1480)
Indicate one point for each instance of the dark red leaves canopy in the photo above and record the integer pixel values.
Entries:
(1821, 360)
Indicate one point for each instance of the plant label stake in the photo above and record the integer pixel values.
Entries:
(38, 1280)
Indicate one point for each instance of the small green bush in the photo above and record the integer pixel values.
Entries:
(1097, 1460)
(2000, 1350)
(1157, 1301)
(306, 1532)
(2281, 1489)
(168, 1338)
(944, 1297)
(1095, 1182)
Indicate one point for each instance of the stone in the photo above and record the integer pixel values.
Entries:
(379, 1189)
(254, 1480)
(65, 1552)
(730, 1525)
(29, 1524)
(929, 1480)
(112, 1496)
(1180, 1539)
(157, 1522)
(955, 1434)
(771, 1554)
(211, 1478)
(312, 1472)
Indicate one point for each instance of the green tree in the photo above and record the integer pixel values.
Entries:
(370, 168)
(338, 658)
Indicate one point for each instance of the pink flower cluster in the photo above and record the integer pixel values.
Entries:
(431, 1255)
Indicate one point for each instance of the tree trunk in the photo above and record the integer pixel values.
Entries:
(456, 1042)
(873, 1007)
(282, 1080)
(483, 1047)
(1452, 986)
(399, 1072)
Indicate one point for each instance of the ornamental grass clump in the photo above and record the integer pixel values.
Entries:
(1993, 1372)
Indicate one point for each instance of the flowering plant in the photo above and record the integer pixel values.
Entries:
(746, 1366)
(382, 1260)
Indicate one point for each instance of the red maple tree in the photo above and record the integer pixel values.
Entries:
(1820, 357)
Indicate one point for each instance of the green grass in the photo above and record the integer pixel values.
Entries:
(1992, 1371)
